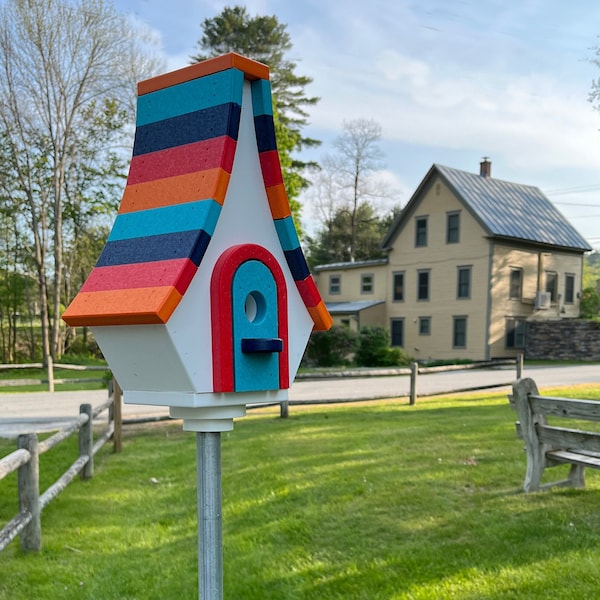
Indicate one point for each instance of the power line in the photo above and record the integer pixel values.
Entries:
(578, 204)
(578, 189)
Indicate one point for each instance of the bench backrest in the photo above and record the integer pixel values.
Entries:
(533, 409)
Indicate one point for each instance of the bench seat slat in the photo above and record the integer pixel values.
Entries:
(570, 408)
(565, 456)
(562, 437)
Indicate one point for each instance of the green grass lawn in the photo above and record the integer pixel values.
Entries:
(374, 501)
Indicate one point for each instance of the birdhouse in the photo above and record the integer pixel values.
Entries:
(201, 299)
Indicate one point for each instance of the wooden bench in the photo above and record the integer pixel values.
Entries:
(549, 446)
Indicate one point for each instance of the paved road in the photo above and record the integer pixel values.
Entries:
(43, 411)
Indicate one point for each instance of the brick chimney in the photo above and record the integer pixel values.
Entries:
(485, 167)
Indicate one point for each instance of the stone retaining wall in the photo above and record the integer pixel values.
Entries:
(565, 339)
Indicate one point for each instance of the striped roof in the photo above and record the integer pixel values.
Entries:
(505, 210)
(185, 142)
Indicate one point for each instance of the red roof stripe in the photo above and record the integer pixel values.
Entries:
(177, 273)
(209, 154)
(271, 168)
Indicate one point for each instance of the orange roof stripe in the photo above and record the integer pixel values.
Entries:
(136, 306)
(278, 201)
(252, 70)
(320, 316)
(210, 184)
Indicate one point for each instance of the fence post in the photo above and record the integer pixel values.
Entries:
(284, 409)
(414, 374)
(86, 441)
(28, 479)
(117, 408)
(50, 374)
(519, 364)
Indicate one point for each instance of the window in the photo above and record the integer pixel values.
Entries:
(453, 228)
(398, 291)
(569, 288)
(424, 325)
(516, 284)
(366, 283)
(463, 287)
(421, 231)
(397, 333)
(423, 285)
(515, 333)
(459, 332)
(335, 284)
(551, 285)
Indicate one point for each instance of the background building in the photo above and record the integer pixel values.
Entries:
(469, 260)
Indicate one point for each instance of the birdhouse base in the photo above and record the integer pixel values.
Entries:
(208, 419)
(219, 417)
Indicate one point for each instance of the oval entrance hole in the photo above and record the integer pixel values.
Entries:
(255, 307)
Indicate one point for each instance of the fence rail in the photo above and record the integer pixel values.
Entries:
(25, 461)
(51, 379)
(414, 371)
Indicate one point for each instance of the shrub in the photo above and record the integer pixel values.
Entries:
(331, 348)
(589, 304)
(374, 349)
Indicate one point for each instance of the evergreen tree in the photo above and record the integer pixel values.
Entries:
(332, 242)
(265, 39)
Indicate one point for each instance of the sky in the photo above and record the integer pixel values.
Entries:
(448, 82)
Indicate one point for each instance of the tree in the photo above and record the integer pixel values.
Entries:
(332, 243)
(346, 192)
(68, 74)
(589, 303)
(591, 270)
(265, 39)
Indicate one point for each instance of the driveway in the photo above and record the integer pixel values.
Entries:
(45, 411)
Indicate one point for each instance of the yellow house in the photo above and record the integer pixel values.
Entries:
(469, 260)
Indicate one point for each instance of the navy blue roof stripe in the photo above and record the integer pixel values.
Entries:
(297, 264)
(513, 210)
(184, 244)
(197, 126)
(265, 133)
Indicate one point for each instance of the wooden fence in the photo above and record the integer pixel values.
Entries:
(25, 460)
(414, 371)
(51, 378)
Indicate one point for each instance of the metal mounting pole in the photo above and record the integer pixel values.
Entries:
(210, 523)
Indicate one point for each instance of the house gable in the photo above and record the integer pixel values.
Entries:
(504, 209)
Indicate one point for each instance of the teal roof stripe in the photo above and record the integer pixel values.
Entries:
(190, 216)
(262, 103)
(287, 233)
(197, 94)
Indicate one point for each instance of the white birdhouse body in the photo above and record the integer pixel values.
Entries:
(202, 297)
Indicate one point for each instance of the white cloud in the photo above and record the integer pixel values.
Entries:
(396, 67)
(534, 117)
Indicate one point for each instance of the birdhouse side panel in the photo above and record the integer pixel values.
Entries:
(144, 358)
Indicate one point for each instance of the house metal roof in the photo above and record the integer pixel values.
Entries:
(505, 209)
(357, 264)
(344, 308)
